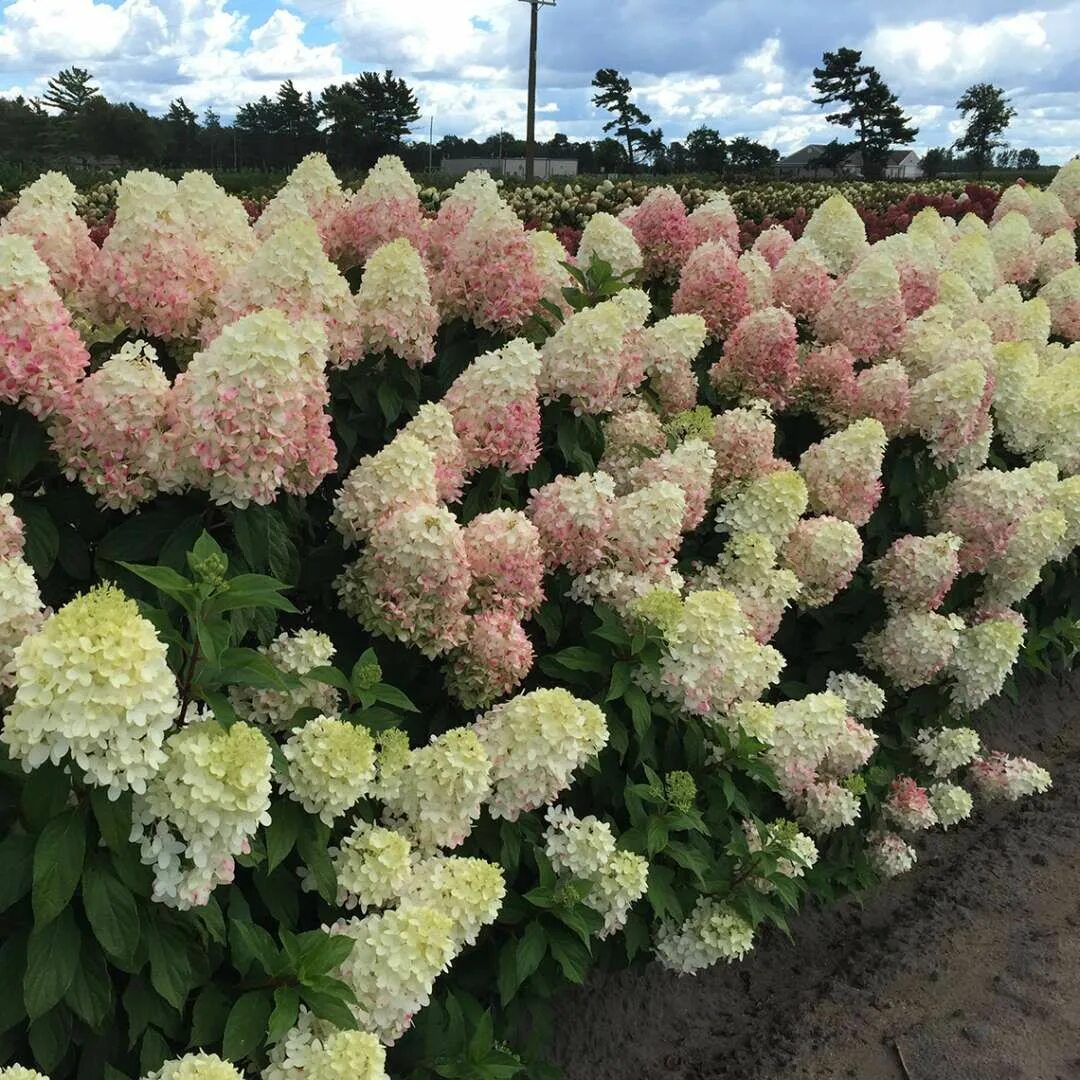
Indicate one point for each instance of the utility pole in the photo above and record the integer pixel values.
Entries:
(530, 120)
(430, 141)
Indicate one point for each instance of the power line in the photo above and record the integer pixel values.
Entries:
(530, 118)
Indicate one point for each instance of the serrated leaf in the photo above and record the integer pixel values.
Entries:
(208, 1017)
(52, 955)
(17, 865)
(170, 962)
(111, 911)
(283, 1017)
(245, 1028)
(166, 581)
(280, 835)
(90, 995)
(58, 864)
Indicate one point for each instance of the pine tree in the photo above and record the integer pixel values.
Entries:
(628, 120)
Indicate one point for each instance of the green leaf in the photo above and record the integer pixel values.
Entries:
(331, 676)
(656, 836)
(142, 535)
(111, 911)
(286, 1007)
(165, 581)
(660, 893)
(206, 547)
(578, 658)
(25, 448)
(389, 398)
(328, 1005)
(113, 817)
(250, 944)
(582, 920)
(391, 695)
(213, 635)
(46, 793)
(246, 667)
(170, 962)
(52, 955)
(531, 950)
(620, 680)
(640, 713)
(571, 956)
(153, 1052)
(12, 970)
(250, 591)
(208, 1017)
(90, 993)
(245, 1028)
(280, 835)
(312, 847)
(58, 863)
(321, 953)
(17, 866)
(42, 538)
(50, 1037)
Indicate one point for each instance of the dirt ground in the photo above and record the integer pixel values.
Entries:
(968, 968)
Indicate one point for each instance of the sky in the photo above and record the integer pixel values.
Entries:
(740, 66)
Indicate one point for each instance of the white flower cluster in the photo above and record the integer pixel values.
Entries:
(1002, 776)
(891, 855)
(314, 1049)
(946, 749)
(862, 696)
(951, 804)
(331, 766)
(202, 809)
(468, 891)
(20, 601)
(606, 237)
(982, 660)
(93, 684)
(913, 647)
(713, 931)
(295, 653)
(373, 866)
(197, 1066)
(794, 851)
(769, 505)
(535, 742)
(585, 849)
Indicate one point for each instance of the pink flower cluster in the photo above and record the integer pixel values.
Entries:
(664, 233)
(761, 358)
(712, 285)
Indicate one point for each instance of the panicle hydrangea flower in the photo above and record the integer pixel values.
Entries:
(583, 359)
(20, 607)
(623, 881)
(248, 418)
(401, 476)
(958, 297)
(951, 804)
(984, 656)
(824, 806)
(606, 237)
(760, 359)
(394, 309)
(392, 757)
(1062, 295)
(535, 742)
(862, 696)
(773, 243)
(646, 526)
(715, 220)
(331, 766)
(549, 258)
(712, 285)
(197, 1066)
(917, 571)
(669, 348)
(475, 190)
(913, 647)
(393, 965)
(663, 231)
(714, 931)
(433, 425)
(984, 508)
(823, 553)
(891, 855)
(45, 214)
(801, 281)
(690, 468)
(931, 343)
(202, 809)
(972, 260)
(866, 310)
(1048, 213)
(489, 273)
(494, 659)
(573, 515)
(290, 272)
(496, 409)
(219, 222)
(908, 805)
(882, 393)
(312, 191)
(20, 1072)
(770, 504)
(971, 223)
(438, 793)
(1013, 574)
(108, 433)
(412, 581)
(1002, 776)
(930, 226)
(469, 891)
(1066, 186)
(803, 734)
(1057, 253)
(1066, 498)
(1016, 369)
(759, 280)
(711, 659)
(620, 585)
(314, 1049)
(850, 750)
(1015, 247)
(373, 866)
(747, 569)
(839, 233)
(1016, 198)
(631, 436)
(946, 749)
(917, 264)
(826, 385)
(776, 837)
(506, 561)
(1012, 318)
(153, 273)
(93, 684)
(385, 209)
(294, 653)
(743, 440)
(843, 472)
(42, 356)
(11, 529)
(951, 408)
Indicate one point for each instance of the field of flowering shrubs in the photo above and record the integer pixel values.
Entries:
(400, 617)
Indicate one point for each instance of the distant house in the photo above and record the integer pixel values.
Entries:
(899, 165)
(544, 167)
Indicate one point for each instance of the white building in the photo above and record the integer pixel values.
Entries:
(899, 165)
(544, 167)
